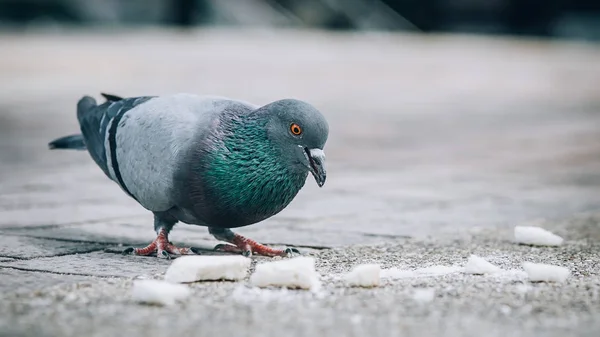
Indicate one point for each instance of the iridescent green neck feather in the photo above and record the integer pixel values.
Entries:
(246, 177)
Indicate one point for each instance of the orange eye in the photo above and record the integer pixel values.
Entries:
(296, 129)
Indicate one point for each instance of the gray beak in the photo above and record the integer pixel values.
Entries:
(316, 159)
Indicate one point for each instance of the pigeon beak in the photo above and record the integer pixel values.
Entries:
(316, 161)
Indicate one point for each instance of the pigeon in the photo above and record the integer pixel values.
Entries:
(203, 160)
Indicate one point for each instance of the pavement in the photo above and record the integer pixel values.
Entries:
(438, 147)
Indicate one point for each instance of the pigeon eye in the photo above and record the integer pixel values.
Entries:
(296, 129)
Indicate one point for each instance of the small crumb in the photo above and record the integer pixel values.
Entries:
(505, 309)
(158, 292)
(295, 273)
(479, 266)
(207, 268)
(364, 275)
(530, 235)
(538, 272)
(424, 295)
(395, 273)
(71, 297)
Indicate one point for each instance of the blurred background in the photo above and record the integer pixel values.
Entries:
(578, 19)
(444, 114)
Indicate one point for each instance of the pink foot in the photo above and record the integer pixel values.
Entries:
(247, 247)
(161, 246)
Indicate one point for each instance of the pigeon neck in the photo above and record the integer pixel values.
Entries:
(246, 175)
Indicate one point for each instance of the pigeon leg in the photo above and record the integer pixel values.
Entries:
(245, 246)
(161, 245)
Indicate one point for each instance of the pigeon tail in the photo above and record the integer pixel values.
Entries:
(111, 98)
(72, 142)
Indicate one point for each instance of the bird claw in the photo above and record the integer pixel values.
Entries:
(258, 250)
(128, 251)
(223, 247)
(195, 251)
(164, 254)
(289, 252)
(161, 246)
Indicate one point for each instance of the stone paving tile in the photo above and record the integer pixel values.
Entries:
(100, 264)
(419, 192)
(65, 214)
(26, 247)
(137, 230)
(141, 233)
(311, 237)
(77, 193)
(22, 281)
(461, 305)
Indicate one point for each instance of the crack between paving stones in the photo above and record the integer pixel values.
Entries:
(83, 241)
(133, 244)
(60, 273)
(127, 244)
(20, 258)
(289, 226)
(389, 236)
(79, 240)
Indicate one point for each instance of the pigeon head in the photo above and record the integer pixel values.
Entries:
(299, 131)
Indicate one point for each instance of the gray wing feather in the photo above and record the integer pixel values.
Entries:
(94, 120)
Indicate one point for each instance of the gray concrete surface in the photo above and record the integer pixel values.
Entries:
(463, 305)
(438, 147)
